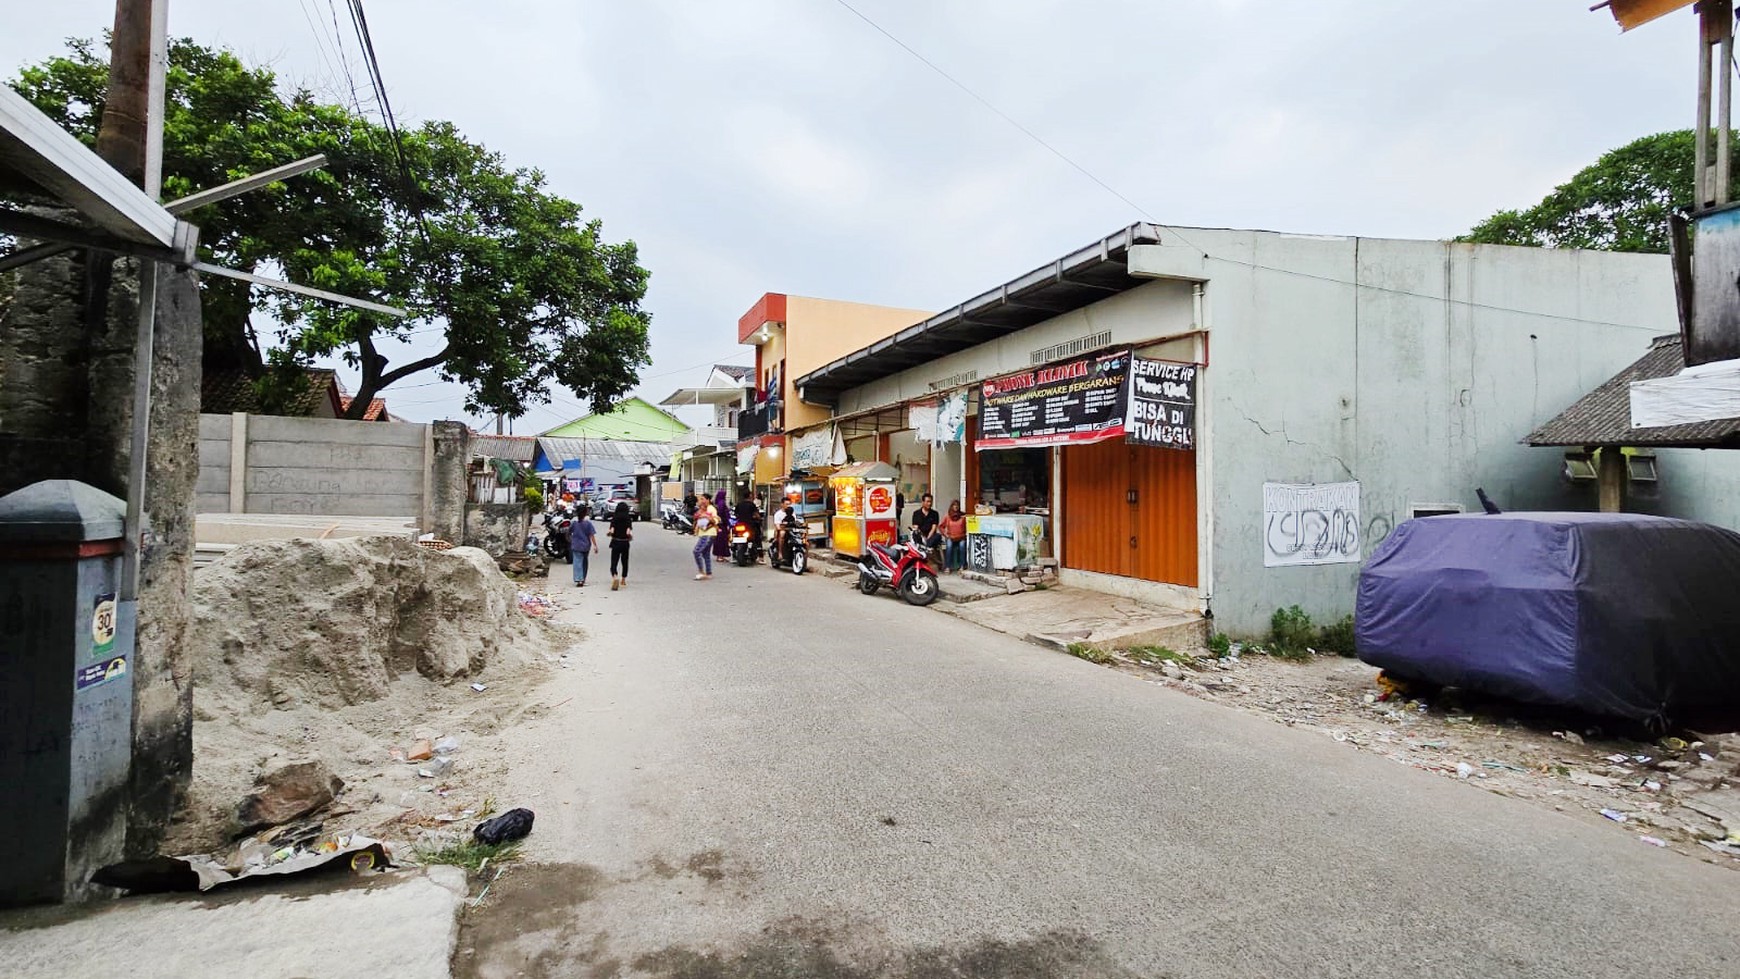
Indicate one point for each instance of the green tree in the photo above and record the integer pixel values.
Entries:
(1619, 203)
(526, 292)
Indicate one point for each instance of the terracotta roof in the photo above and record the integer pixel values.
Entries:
(223, 392)
(1603, 416)
(377, 408)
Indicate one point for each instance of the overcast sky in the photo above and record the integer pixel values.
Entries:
(751, 146)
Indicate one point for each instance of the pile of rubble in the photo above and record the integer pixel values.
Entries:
(332, 662)
(1043, 575)
(1680, 792)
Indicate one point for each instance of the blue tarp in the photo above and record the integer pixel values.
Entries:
(1621, 615)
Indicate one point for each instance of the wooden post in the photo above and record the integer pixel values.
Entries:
(1610, 478)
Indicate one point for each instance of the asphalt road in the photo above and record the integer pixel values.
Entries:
(762, 775)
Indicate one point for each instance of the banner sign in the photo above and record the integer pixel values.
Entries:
(1310, 523)
(1070, 403)
(813, 449)
(1162, 404)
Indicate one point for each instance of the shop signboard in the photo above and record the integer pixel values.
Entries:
(1073, 402)
(979, 552)
(1162, 404)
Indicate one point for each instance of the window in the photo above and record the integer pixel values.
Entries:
(1580, 466)
(1641, 468)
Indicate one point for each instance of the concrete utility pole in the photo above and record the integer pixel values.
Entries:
(1715, 61)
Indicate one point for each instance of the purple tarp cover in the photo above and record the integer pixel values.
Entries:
(1620, 615)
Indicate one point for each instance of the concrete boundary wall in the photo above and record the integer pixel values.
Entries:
(316, 466)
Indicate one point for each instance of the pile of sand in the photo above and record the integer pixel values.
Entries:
(340, 650)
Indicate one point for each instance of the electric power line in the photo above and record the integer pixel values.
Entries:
(1174, 231)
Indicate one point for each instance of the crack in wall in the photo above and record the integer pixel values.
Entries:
(1290, 440)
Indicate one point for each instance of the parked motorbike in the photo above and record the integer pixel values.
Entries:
(905, 568)
(793, 553)
(556, 523)
(675, 519)
(745, 544)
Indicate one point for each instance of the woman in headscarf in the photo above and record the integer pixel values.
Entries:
(620, 533)
(722, 513)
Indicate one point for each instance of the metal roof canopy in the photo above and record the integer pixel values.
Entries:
(686, 397)
(1078, 279)
(1636, 13)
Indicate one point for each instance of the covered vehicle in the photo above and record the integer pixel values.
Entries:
(1620, 615)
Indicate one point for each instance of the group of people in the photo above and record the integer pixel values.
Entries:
(583, 543)
(946, 531)
(930, 529)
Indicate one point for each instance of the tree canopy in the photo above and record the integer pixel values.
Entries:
(1619, 203)
(526, 292)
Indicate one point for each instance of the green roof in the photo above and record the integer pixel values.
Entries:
(633, 419)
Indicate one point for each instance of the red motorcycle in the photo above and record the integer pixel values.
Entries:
(904, 567)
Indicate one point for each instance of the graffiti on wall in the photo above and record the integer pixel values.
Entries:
(1311, 523)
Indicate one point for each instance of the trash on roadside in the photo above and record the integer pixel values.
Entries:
(538, 605)
(1652, 786)
(260, 856)
(437, 767)
(1587, 780)
(1393, 688)
(479, 687)
(515, 824)
(1463, 769)
(447, 745)
(1619, 759)
(1614, 815)
(1507, 766)
(421, 750)
(1653, 841)
(1571, 736)
(1674, 744)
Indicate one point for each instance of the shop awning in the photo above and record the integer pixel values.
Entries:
(1078, 279)
(867, 470)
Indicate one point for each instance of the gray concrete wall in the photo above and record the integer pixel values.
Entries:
(449, 486)
(499, 528)
(1419, 384)
(313, 466)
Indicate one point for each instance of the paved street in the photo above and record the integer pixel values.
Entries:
(767, 775)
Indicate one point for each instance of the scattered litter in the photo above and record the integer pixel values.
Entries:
(1571, 736)
(259, 856)
(421, 750)
(1705, 757)
(1618, 759)
(1652, 786)
(447, 745)
(1652, 841)
(1592, 781)
(1616, 816)
(1507, 766)
(539, 605)
(479, 687)
(437, 767)
(455, 817)
(515, 824)
(1674, 744)
(1463, 769)
(1722, 846)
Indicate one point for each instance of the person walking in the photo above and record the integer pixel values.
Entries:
(722, 540)
(621, 534)
(582, 544)
(706, 529)
(954, 533)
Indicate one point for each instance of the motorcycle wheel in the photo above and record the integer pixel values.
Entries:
(920, 588)
(800, 562)
(552, 548)
(740, 556)
(868, 585)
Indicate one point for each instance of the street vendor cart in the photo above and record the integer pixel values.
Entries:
(864, 510)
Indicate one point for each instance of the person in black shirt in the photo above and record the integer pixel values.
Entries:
(924, 523)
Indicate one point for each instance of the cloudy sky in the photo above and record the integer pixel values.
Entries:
(751, 146)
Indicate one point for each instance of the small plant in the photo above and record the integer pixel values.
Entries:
(1154, 655)
(534, 497)
(471, 854)
(1337, 637)
(1220, 644)
(1290, 633)
(1089, 652)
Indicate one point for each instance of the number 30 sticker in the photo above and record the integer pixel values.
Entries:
(103, 624)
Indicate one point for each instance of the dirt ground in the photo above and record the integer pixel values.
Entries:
(1678, 794)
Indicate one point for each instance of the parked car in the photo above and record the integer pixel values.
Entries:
(606, 503)
(1614, 614)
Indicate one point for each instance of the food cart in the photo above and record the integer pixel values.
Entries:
(809, 497)
(864, 513)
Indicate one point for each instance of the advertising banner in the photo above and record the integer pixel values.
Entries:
(1310, 523)
(1162, 404)
(1074, 402)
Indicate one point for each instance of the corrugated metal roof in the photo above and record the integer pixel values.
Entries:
(556, 448)
(1081, 278)
(519, 448)
(1603, 416)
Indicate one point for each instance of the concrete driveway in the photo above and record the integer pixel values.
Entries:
(762, 775)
